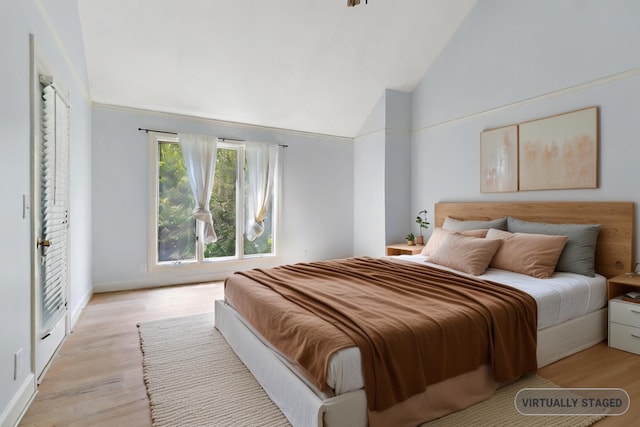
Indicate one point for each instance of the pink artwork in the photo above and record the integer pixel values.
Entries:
(559, 152)
(499, 160)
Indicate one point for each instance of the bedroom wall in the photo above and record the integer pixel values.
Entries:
(368, 172)
(381, 174)
(397, 174)
(511, 62)
(55, 26)
(317, 209)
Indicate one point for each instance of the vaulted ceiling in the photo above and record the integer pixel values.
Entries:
(309, 65)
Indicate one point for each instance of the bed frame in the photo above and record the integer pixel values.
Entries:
(614, 255)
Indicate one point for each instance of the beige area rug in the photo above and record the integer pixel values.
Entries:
(500, 411)
(194, 378)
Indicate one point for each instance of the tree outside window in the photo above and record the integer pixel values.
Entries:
(176, 229)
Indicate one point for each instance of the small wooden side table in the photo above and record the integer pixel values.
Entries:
(403, 249)
(618, 285)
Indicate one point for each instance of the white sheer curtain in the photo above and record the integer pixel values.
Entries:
(199, 153)
(262, 160)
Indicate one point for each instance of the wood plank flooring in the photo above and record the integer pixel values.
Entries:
(96, 378)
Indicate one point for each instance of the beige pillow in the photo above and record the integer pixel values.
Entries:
(440, 233)
(532, 254)
(469, 254)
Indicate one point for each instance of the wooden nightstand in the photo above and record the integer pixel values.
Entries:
(403, 249)
(624, 316)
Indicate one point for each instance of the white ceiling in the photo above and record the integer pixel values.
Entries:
(309, 65)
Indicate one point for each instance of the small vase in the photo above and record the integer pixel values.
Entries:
(419, 240)
(411, 242)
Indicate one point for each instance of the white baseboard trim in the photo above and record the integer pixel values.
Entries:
(155, 283)
(17, 407)
(185, 274)
(76, 311)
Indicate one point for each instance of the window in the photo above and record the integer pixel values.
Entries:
(175, 240)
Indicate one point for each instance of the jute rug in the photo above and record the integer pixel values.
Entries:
(194, 378)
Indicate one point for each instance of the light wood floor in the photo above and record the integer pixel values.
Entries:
(96, 378)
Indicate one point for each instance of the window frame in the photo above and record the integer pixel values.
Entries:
(200, 262)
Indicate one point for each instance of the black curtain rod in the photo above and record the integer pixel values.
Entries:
(175, 133)
(159, 131)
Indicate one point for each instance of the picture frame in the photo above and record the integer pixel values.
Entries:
(499, 160)
(559, 152)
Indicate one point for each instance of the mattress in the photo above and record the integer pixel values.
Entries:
(563, 297)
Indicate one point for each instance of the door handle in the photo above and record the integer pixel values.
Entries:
(42, 245)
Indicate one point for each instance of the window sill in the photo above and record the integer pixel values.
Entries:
(218, 265)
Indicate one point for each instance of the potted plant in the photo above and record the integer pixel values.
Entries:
(421, 220)
(411, 240)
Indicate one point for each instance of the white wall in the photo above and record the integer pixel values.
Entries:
(55, 25)
(511, 62)
(381, 175)
(369, 235)
(398, 168)
(317, 216)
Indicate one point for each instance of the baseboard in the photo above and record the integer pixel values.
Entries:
(17, 407)
(76, 311)
(182, 275)
(155, 283)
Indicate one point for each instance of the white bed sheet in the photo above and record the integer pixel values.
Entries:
(560, 298)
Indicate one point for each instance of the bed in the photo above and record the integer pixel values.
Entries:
(344, 403)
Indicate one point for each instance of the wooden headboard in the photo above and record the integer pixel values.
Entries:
(614, 251)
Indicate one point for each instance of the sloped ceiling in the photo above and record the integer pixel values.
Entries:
(309, 65)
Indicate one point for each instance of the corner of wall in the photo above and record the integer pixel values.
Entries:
(76, 311)
(382, 174)
(376, 120)
(14, 412)
(398, 111)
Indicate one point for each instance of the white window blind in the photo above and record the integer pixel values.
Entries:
(55, 209)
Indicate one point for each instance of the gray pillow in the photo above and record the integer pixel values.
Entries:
(459, 225)
(578, 255)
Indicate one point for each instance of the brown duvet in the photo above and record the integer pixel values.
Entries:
(415, 325)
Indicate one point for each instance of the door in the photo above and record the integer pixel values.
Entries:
(51, 223)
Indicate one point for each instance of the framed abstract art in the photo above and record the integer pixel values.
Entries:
(559, 152)
(499, 160)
